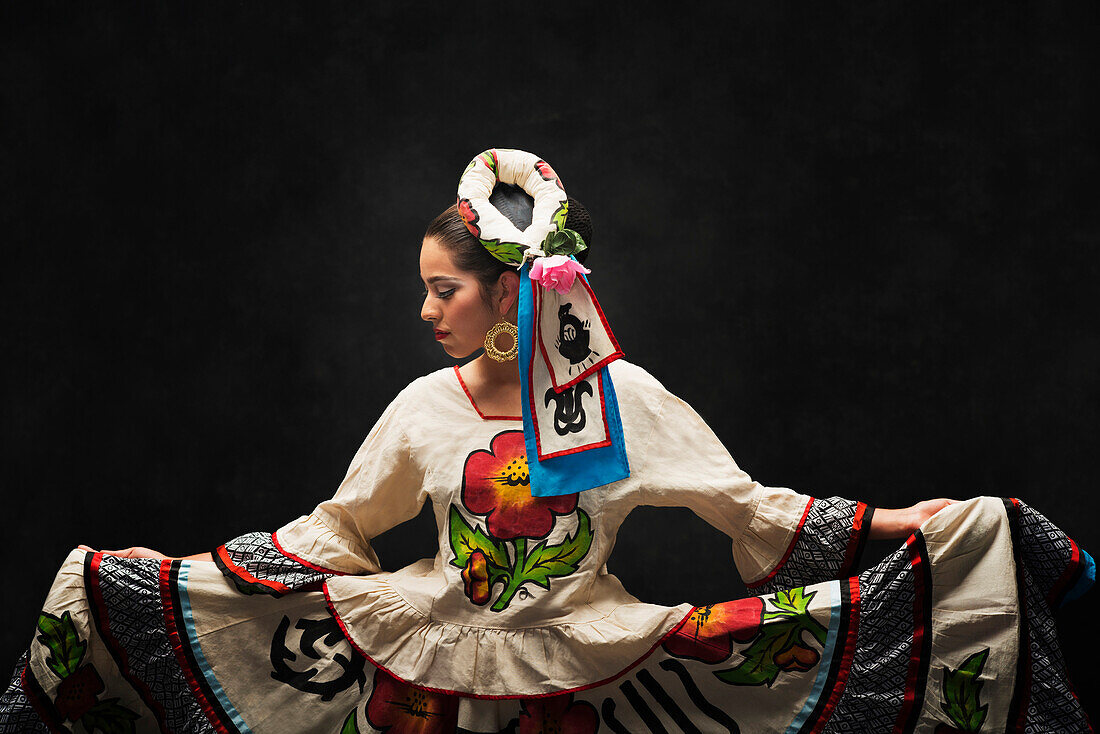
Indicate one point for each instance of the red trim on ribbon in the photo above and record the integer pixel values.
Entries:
(575, 449)
(301, 561)
(177, 648)
(488, 697)
(537, 337)
(223, 554)
(479, 413)
(790, 549)
(618, 353)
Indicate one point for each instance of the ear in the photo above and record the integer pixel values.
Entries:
(508, 290)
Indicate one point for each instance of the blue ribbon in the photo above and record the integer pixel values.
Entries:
(582, 470)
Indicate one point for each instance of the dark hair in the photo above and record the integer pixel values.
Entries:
(450, 232)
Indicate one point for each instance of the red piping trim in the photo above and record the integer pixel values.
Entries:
(177, 648)
(618, 353)
(487, 697)
(480, 414)
(302, 561)
(575, 449)
(858, 530)
(223, 554)
(790, 549)
(915, 652)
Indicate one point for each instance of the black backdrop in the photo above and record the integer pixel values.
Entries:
(863, 243)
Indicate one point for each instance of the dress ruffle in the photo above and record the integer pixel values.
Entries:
(487, 662)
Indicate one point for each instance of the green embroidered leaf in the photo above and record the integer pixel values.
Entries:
(560, 215)
(65, 646)
(110, 718)
(793, 604)
(792, 601)
(509, 252)
(547, 561)
(490, 159)
(759, 667)
(351, 726)
(960, 693)
(465, 540)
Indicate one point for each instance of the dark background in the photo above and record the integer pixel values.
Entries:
(863, 242)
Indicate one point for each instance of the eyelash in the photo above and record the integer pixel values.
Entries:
(442, 294)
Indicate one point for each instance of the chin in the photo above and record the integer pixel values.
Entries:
(457, 353)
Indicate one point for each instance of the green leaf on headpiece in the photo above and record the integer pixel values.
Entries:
(490, 159)
(564, 242)
(559, 216)
(508, 252)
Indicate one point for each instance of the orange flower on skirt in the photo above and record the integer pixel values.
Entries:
(496, 483)
(399, 708)
(709, 633)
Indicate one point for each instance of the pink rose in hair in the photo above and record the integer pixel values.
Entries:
(557, 272)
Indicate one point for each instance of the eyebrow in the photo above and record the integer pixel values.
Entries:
(437, 278)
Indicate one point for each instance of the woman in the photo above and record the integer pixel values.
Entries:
(532, 455)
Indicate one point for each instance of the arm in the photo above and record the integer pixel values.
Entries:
(138, 551)
(893, 524)
(383, 487)
(781, 539)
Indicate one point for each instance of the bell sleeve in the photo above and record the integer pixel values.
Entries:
(781, 539)
(383, 488)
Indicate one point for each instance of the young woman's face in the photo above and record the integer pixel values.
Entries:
(453, 302)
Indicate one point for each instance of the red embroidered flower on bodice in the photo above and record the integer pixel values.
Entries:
(496, 483)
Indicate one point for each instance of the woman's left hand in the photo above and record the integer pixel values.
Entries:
(887, 524)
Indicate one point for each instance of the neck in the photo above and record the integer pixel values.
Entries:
(497, 374)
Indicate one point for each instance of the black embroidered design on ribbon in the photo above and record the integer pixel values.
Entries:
(573, 337)
(327, 631)
(568, 413)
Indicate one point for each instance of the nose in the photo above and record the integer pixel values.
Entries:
(428, 310)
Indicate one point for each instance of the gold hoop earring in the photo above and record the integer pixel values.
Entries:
(491, 351)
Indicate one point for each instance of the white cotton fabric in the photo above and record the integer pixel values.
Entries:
(419, 623)
(519, 168)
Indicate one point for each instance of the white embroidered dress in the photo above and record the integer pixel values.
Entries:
(516, 623)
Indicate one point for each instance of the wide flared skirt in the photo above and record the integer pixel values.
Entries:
(952, 632)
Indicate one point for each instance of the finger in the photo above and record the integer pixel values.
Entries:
(85, 548)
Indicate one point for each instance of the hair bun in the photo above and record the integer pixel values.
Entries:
(579, 221)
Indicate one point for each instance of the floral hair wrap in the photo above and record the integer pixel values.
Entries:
(571, 423)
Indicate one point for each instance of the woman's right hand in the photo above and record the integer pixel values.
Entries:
(136, 552)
